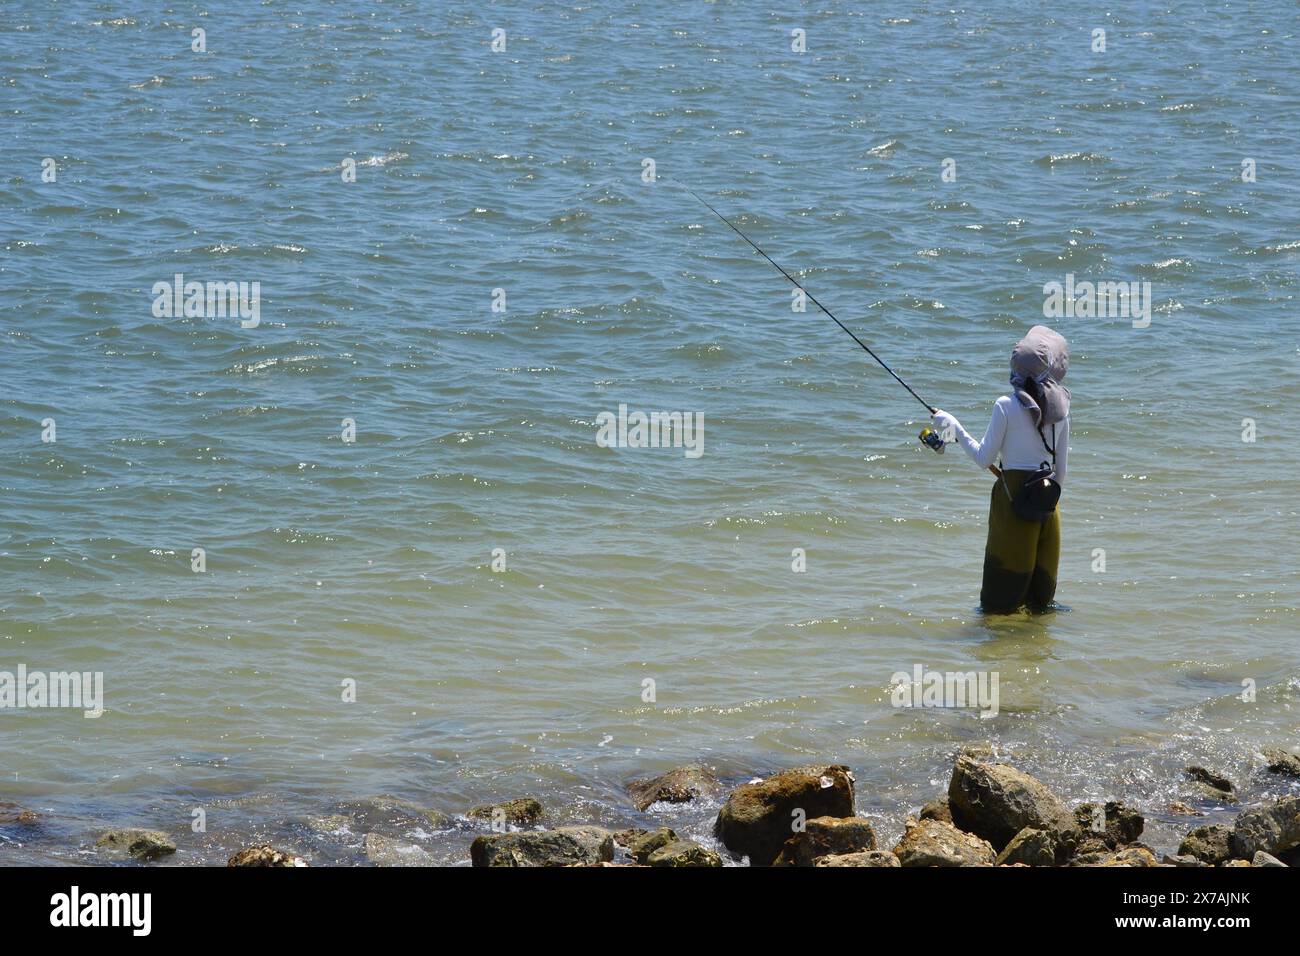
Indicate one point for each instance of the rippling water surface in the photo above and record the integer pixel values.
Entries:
(521, 170)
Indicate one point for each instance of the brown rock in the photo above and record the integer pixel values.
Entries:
(937, 809)
(827, 836)
(1273, 829)
(758, 817)
(11, 813)
(679, 785)
(1124, 824)
(865, 858)
(684, 853)
(1030, 847)
(1282, 761)
(619, 866)
(264, 855)
(560, 847)
(1130, 856)
(141, 844)
(645, 844)
(629, 836)
(522, 812)
(1115, 824)
(996, 801)
(1217, 781)
(1210, 785)
(935, 843)
(1209, 844)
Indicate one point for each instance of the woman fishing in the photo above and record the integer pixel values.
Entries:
(1030, 431)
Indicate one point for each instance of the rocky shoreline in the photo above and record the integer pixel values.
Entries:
(992, 814)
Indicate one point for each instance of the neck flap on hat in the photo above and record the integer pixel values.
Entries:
(1043, 357)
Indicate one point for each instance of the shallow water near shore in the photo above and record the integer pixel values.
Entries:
(372, 561)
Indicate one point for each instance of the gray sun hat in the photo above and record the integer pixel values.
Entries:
(1042, 355)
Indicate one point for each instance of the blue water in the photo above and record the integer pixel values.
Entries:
(372, 561)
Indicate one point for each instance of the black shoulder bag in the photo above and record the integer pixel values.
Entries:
(1037, 496)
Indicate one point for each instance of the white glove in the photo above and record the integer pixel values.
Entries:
(946, 425)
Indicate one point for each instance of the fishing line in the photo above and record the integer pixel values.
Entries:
(866, 348)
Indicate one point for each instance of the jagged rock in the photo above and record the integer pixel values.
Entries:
(935, 843)
(683, 853)
(621, 866)
(264, 855)
(628, 837)
(1088, 817)
(865, 858)
(1212, 785)
(1124, 825)
(1209, 844)
(937, 809)
(1273, 829)
(1090, 857)
(1115, 824)
(1182, 860)
(521, 812)
(1094, 844)
(138, 843)
(679, 785)
(11, 813)
(1184, 809)
(827, 836)
(649, 841)
(997, 801)
(1031, 847)
(1130, 856)
(757, 817)
(1282, 761)
(1265, 859)
(560, 847)
(383, 850)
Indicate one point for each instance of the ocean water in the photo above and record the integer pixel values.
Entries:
(370, 563)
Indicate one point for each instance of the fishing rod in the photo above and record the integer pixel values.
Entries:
(930, 437)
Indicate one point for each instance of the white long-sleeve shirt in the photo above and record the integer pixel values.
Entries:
(1012, 434)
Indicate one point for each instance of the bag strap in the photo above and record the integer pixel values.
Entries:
(1052, 447)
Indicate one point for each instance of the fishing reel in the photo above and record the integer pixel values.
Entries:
(932, 438)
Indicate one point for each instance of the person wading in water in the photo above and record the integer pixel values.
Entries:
(1030, 430)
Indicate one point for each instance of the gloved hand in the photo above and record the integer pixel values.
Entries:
(946, 425)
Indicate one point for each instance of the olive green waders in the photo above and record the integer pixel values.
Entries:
(1020, 556)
